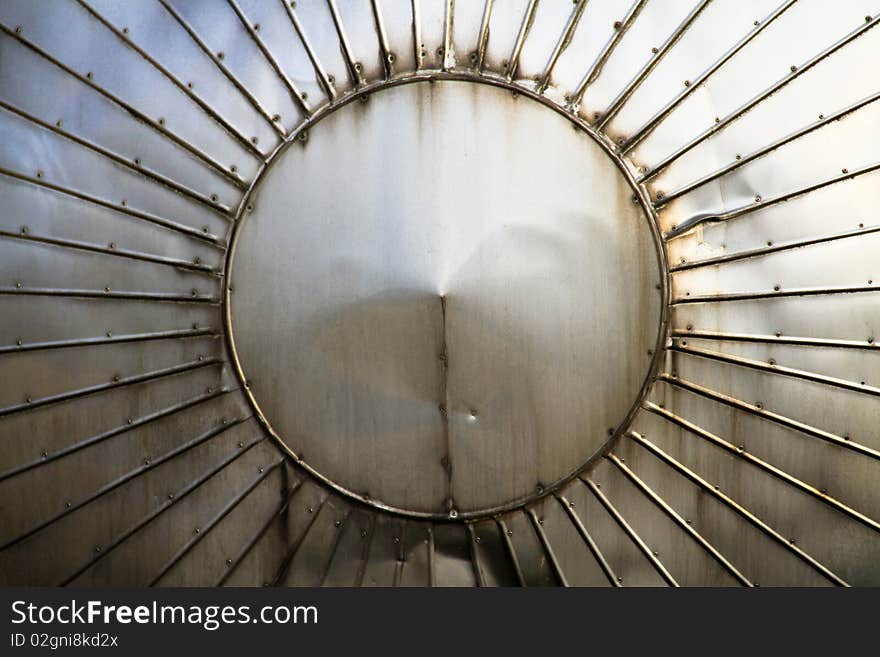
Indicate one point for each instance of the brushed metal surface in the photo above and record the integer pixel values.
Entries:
(434, 338)
(133, 137)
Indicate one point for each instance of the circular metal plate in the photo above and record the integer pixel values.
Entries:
(444, 297)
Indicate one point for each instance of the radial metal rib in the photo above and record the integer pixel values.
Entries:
(133, 424)
(796, 72)
(775, 293)
(639, 135)
(513, 60)
(616, 104)
(158, 125)
(321, 74)
(563, 42)
(774, 339)
(736, 507)
(132, 164)
(155, 513)
(385, 49)
(483, 41)
(295, 94)
(189, 231)
(283, 569)
(778, 473)
(588, 540)
(110, 385)
(773, 248)
(511, 552)
(230, 129)
(823, 121)
(149, 464)
(475, 564)
(678, 520)
(755, 409)
(355, 69)
(201, 532)
(538, 526)
(630, 532)
(779, 370)
(592, 74)
(111, 250)
(247, 547)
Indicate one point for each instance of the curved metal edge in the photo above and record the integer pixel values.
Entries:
(640, 195)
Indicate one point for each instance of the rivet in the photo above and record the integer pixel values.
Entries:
(189, 85)
(170, 496)
(690, 327)
(220, 55)
(688, 521)
(240, 444)
(195, 292)
(28, 399)
(391, 56)
(97, 548)
(772, 361)
(769, 243)
(337, 524)
(233, 168)
(396, 540)
(610, 431)
(257, 27)
(214, 198)
(757, 23)
(717, 119)
(24, 230)
(757, 199)
(540, 521)
(331, 79)
(68, 504)
(224, 421)
(129, 421)
(116, 377)
(161, 121)
(453, 513)
(303, 135)
(617, 25)
(59, 123)
(738, 156)
(793, 68)
(276, 118)
(759, 405)
(654, 50)
(107, 289)
(509, 532)
(821, 117)
(363, 533)
(18, 342)
(620, 580)
(262, 469)
(310, 510)
(305, 95)
(18, 284)
(229, 562)
(254, 140)
(89, 75)
(18, 29)
(39, 174)
(776, 288)
(125, 30)
(778, 334)
(112, 246)
(476, 539)
(870, 340)
(196, 530)
(687, 83)
(539, 488)
(571, 504)
(44, 454)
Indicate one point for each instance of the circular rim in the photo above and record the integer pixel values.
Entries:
(640, 196)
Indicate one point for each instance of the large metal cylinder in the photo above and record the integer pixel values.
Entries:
(424, 292)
